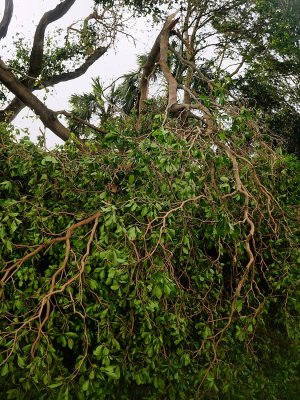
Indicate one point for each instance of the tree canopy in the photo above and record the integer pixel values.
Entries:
(155, 255)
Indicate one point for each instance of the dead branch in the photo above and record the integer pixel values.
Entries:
(152, 59)
(164, 43)
(192, 65)
(81, 121)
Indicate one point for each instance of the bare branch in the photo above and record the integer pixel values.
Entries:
(47, 116)
(67, 76)
(16, 105)
(193, 66)
(81, 121)
(164, 43)
(37, 52)
(152, 59)
(8, 12)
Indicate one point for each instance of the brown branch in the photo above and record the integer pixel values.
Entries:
(10, 271)
(8, 12)
(43, 311)
(192, 65)
(12, 110)
(66, 76)
(36, 58)
(47, 298)
(47, 116)
(152, 59)
(147, 71)
(164, 43)
(16, 105)
(82, 121)
(37, 52)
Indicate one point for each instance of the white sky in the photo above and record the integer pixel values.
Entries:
(116, 62)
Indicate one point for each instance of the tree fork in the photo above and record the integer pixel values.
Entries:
(47, 116)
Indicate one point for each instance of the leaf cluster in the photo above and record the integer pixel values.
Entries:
(148, 298)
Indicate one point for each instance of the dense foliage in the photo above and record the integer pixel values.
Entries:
(149, 265)
(155, 255)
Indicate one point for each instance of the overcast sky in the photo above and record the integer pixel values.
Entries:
(116, 62)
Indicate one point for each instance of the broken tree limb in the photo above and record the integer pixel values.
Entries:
(163, 59)
(152, 59)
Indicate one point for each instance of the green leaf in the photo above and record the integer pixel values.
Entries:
(86, 385)
(21, 362)
(50, 159)
(131, 179)
(157, 291)
(93, 284)
(112, 371)
(239, 305)
(55, 385)
(224, 179)
(4, 370)
(131, 233)
(98, 351)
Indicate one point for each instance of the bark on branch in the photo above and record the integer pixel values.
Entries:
(159, 54)
(37, 52)
(36, 60)
(47, 116)
(163, 59)
(152, 59)
(67, 76)
(8, 12)
(16, 105)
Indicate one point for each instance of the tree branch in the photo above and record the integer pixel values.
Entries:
(66, 76)
(81, 121)
(47, 116)
(36, 56)
(8, 12)
(163, 59)
(16, 105)
(152, 59)
(37, 52)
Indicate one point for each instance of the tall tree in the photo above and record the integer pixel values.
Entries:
(155, 254)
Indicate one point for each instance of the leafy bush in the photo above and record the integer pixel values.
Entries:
(149, 265)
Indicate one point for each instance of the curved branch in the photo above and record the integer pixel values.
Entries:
(163, 59)
(37, 52)
(147, 71)
(66, 76)
(47, 116)
(81, 121)
(8, 12)
(16, 105)
(152, 59)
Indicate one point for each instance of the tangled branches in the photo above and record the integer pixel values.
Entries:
(44, 307)
(195, 246)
